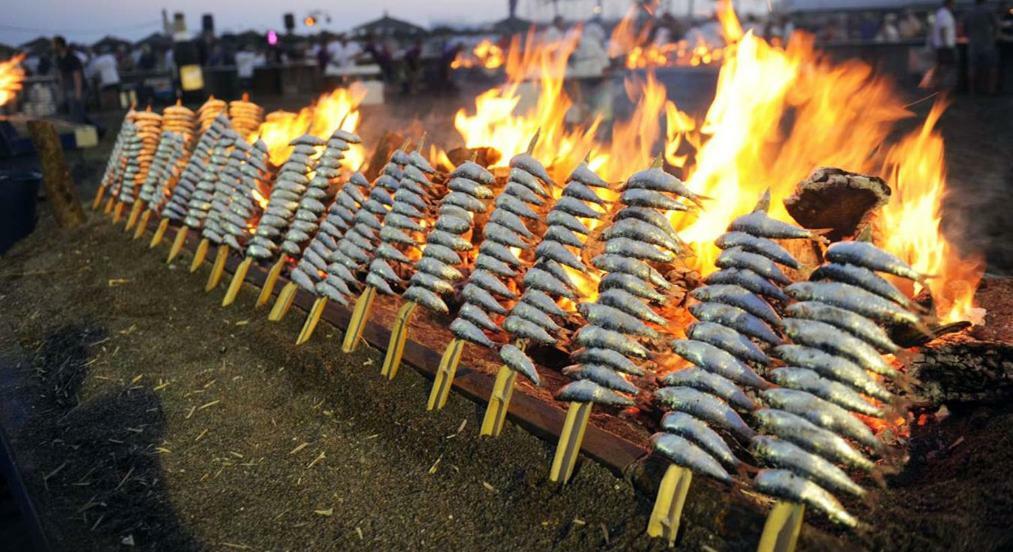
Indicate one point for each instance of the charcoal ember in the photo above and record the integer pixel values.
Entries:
(837, 200)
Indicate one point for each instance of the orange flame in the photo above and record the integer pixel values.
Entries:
(485, 54)
(641, 52)
(339, 107)
(11, 77)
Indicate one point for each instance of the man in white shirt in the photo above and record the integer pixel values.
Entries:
(341, 55)
(943, 39)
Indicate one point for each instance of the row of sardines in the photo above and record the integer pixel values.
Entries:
(778, 383)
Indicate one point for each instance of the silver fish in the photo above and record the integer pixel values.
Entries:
(516, 360)
(855, 324)
(638, 250)
(430, 282)
(503, 235)
(871, 257)
(539, 279)
(324, 288)
(526, 329)
(785, 455)
(536, 315)
(811, 437)
(727, 339)
(698, 432)
(829, 338)
(602, 375)
(477, 316)
(426, 298)
(441, 253)
(523, 193)
(566, 220)
(822, 413)
(635, 267)
(737, 319)
(738, 296)
(630, 304)
(638, 197)
(637, 229)
(302, 279)
(718, 361)
(833, 367)
(488, 281)
(705, 406)
(580, 191)
(375, 281)
(529, 164)
(543, 302)
(494, 265)
(607, 357)
(387, 251)
(465, 201)
(470, 187)
(576, 207)
(612, 318)
(446, 239)
(406, 210)
(659, 180)
(482, 298)
(630, 283)
(464, 329)
(563, 236)
(866, 279)
(593, 336)
(557, 252)
(447, 209)
(390, 234)
(746, 279)
(382, 269)
(511, 221)
(842, 395)
(528, 180)
(712, 383)
(584, 174)
(439, 269)
(515, 206)
(784, 484)
(759, 224)
(499, 252)
(587, 391)
(473, 171)
(687, 454)
(739, 258)
(557, 270)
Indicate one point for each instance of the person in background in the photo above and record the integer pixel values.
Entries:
(146, 60)
(246, 62)
(868, 28)
(342, 54)
(556, 31)
(943, 40)
(103, 68)
(381, 55)
(981, 28)
(910, 27)
(71, 79)
(888, 32)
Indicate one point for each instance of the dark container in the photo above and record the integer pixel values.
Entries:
(19, 191)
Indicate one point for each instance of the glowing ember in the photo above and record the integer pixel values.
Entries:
(11, 77)
(485, 54)
(339, 107)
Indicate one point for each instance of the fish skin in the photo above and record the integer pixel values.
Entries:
(530, 165)
(638, 249)
(532, 313)
(441, 253)
(473, 171)
(465, 201)
(787, 485)
(542, 302)
(822, 413)
(302, 279)
(612, 318)
(361, 241)
(785, 455)
(632, 284)
(585, 175)
(528, 180)
(375, 281)
(630, 304)
(639, 197)
(686, 453)
(390, 234)
(866, 279)
(607, 357)
(737, 257)
(758, 245)
(516, 360)
(503, 235)
(639, 230)
(478, 317)
(537, 278)
(406, 210)
(658, 180)
(430, 282)
(511, 221)
(835, 341)
(425, 297)
(706, 407)
(415, 159)
(699, 433)
(556, 269)
(470, 187)
(838, 393)
(737, 319)
(367, 219)
(578, 190)
(815, 439)
(482, 298)
(556, 251)
(562, 235)
(587, 391)
(446, 239)
(718, 361)
(526, 329)
(577, 208)
(602, 375)
(407, 196)
(464, 329)
(454, 210)
(871, 257)
(387, 251)
(438, 269)
(738, 296)
(522, 193)
(489, 282)
(728, 339)
(834, 368)
(325, 289)
(746, 279)
(494, 265)
(515, 206)
(611, 262)
(848, 321)
(712, 383)
(593, 336)
(761, 225)
(566, 220)
(500, 252)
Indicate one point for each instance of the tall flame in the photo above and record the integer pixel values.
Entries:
(11, 77)
(323, 117)
(485, 54)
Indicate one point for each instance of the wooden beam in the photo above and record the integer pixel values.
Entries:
(60, 189)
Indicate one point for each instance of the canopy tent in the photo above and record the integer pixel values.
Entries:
(388, 26)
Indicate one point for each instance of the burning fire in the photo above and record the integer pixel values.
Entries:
(323, 117)
(486, 54)
(698, 49)
(11, 77)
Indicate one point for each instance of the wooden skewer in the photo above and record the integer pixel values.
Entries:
(363, 306)
(780, 532)
(570, 440)
(445, 374)
(110, 203)
(312, 320)
(142, 225)
(99, 194)
(177, 244)
(135, 212)
(237, 281)
(200, 254)
(156, 239)
(284, 302)
(272, 279)
(398, 337)
(667, 512)
(218, 268)
(499, 402)
(118, 212)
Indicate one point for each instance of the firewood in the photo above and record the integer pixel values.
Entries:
(56, 175)
(837, 200)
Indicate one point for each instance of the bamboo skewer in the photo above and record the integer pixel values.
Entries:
(135, 212)
(200, 254)
(570, 439)
(781, 530)
(156, 239)
(108, 209)
(499, 402)
(363, 306)
(398, 337)
(272, 278)
(237, 281)
(667, 513)
(218, 268)
(312, 319)
(177, 244)
(99, 194)
(142, 225)
(445, 374)
(283, 303)
(118, 212)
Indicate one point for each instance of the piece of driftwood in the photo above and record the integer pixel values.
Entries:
(59, 186)
(836, 200)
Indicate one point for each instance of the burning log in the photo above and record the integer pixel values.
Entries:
(837, 200)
